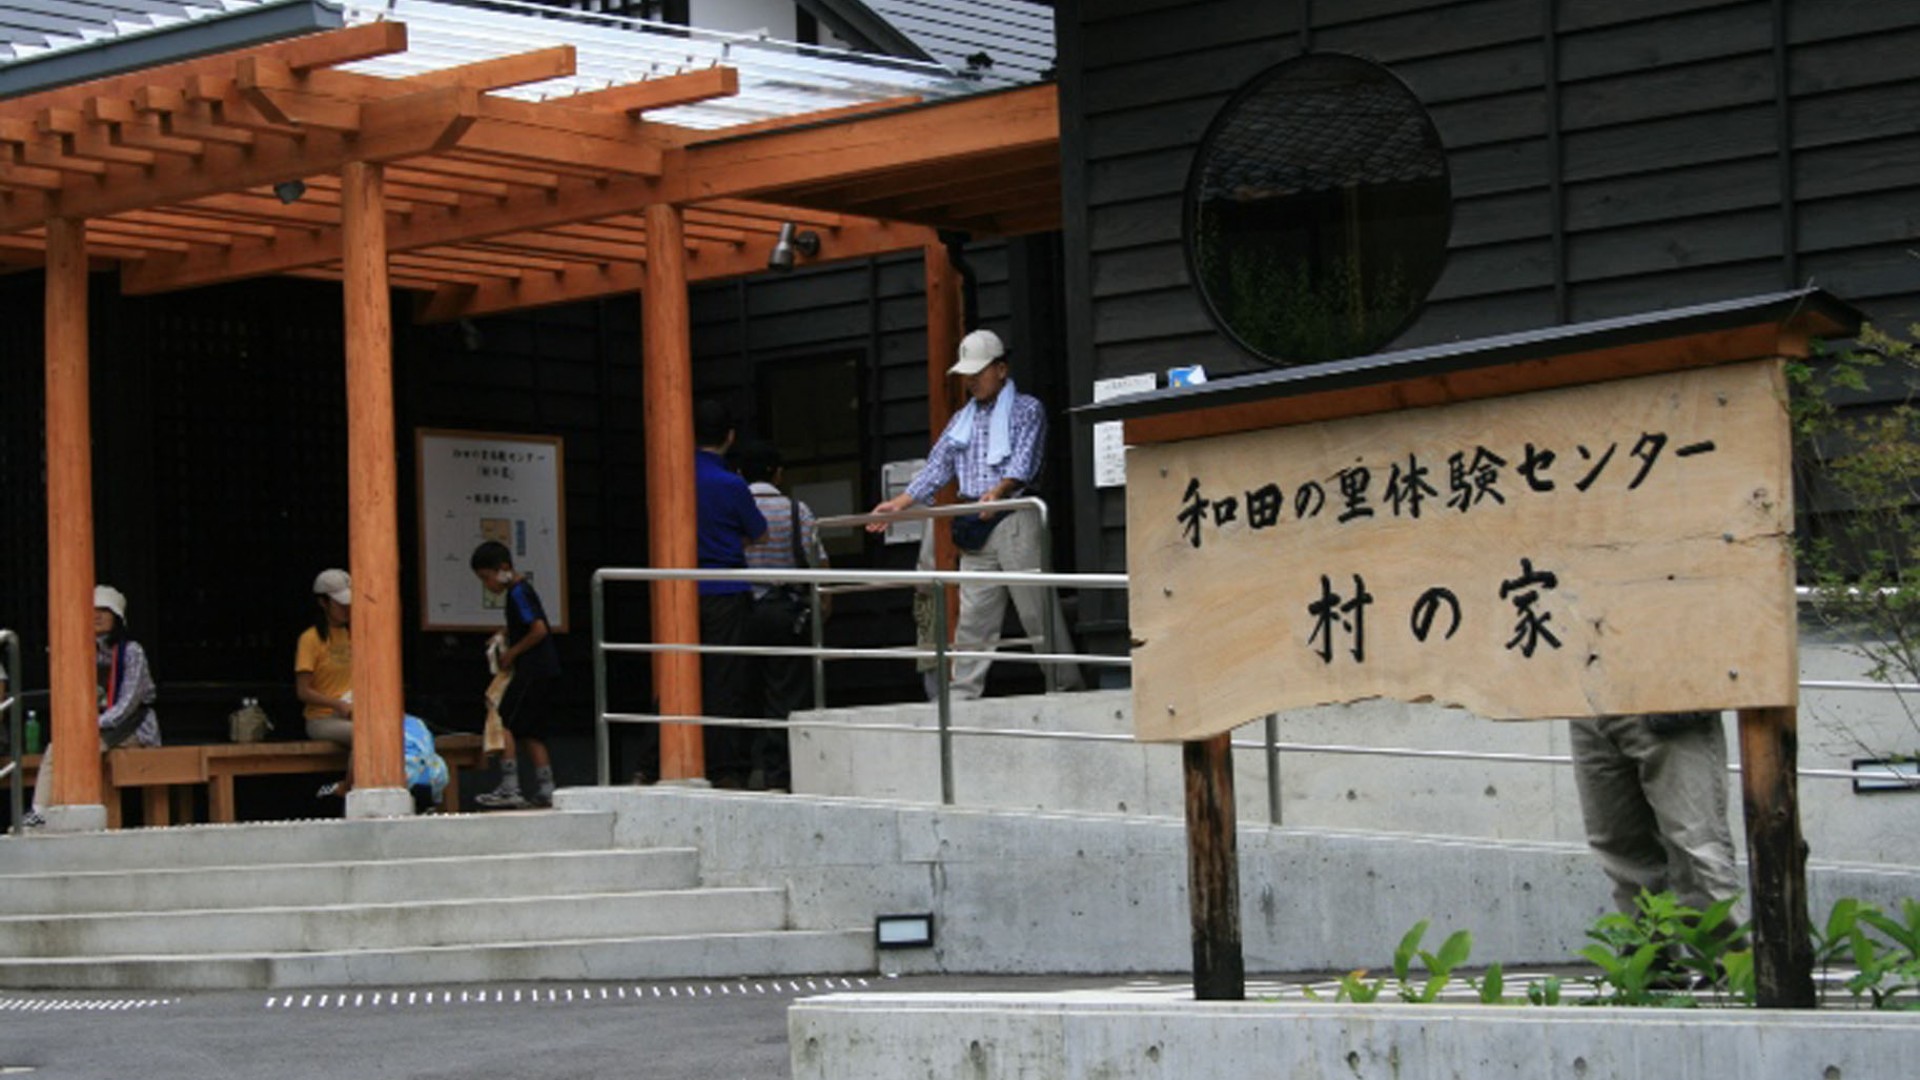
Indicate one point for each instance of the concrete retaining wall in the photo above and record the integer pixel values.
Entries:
(1060, 892)
(942, 1037)
(1484, 800)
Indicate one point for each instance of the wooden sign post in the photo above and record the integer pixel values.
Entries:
(1589, 521)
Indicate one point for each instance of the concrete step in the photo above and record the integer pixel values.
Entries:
(522, 920)
(714, 956)
(281, 842)
(388, 881)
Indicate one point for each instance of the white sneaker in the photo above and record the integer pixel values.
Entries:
(501, 799)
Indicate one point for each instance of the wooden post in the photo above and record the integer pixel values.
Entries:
(946, 322)
(373, 545)
(672, 511)
(1776, 860)
(1213, 871)
(70, 519)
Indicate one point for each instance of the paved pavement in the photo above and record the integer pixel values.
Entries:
(685, 1030)
(682, 1030)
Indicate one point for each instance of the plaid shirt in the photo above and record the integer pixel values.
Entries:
(1026, 430)
(775, 550)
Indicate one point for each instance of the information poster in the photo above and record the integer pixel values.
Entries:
(1109, 443)
(474, 487)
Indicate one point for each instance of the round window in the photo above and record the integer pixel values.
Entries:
(1317, 210)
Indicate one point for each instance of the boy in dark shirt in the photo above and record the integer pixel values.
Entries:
(535, 664)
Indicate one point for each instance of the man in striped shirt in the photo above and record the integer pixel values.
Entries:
(993, 448)
(777, 685)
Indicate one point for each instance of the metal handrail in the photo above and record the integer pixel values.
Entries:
(815, 579)
(1050, 615)
(849, 580)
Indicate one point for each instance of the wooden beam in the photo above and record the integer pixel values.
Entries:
(667, 364)
(614, 278)
(397, 128)
(128, 126)
(661, 93)
(29, 146)
(905, 138)
(951, 131)
(362, 42)
(499, 73)
(372, 485)
(69, 468)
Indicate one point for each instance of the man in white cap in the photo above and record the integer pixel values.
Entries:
(994, 448)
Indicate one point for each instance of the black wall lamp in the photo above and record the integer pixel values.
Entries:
(792, 241)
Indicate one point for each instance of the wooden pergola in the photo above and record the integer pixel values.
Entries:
(273, 161)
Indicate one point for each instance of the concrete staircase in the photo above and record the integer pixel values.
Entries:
(456, 899)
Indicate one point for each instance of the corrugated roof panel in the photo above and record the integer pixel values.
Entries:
(776, 78)
(34, 27)
(1016, 34)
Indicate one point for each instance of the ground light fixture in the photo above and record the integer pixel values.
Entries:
(792, 241)
(903, 931)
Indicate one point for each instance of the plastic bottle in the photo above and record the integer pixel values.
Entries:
(32, 736)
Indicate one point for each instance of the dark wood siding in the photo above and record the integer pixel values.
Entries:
(1608, 156)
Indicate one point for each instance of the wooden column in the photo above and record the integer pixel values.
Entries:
(671, 509)
(70, 519)
(372, 492)
(1776, 860)
(1213, 871)
(946, 324)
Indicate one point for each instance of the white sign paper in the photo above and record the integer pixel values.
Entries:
(1109, 443)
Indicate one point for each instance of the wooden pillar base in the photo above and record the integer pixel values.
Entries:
(1213, 871)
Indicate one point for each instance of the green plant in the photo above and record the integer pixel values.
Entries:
(1857, 471)
(1453, 952)
(1885, 950)
(1545, 992)
(1664, 950)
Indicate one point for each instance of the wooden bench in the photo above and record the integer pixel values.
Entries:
(228, 760)
(166, 775)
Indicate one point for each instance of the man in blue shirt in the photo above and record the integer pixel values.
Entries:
(994, 448)
(729, 520)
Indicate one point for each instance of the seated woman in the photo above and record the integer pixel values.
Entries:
(323, 669)
(125, 693)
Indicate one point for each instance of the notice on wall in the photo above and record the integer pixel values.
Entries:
(475, 487)
(1109, 442)
(894, 478)
(1585, 551)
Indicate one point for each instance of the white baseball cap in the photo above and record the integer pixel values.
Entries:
(112, 599)
(977, 350)
(335, 585)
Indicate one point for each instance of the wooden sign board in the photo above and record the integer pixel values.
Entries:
(1610, 548)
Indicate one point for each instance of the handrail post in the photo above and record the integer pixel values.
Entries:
(17, 779)
(944, 702)
(1050, 611)
(602, 738)
(1273, 768)
(819, 662)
